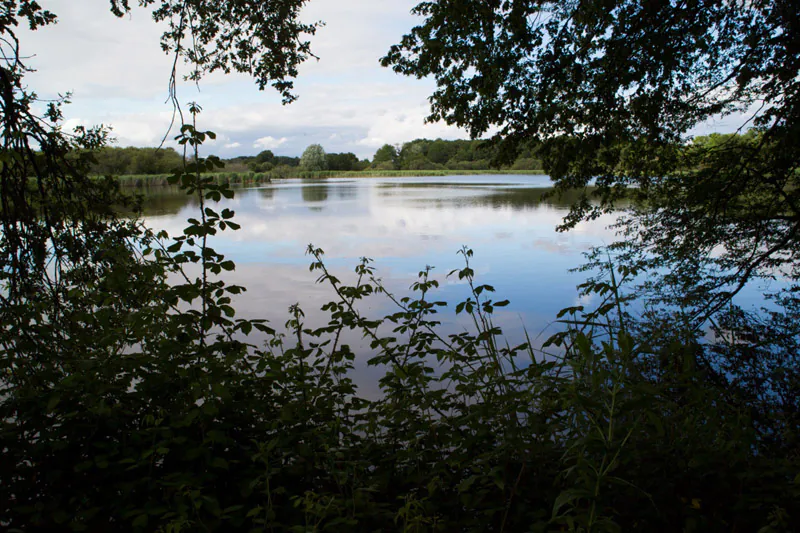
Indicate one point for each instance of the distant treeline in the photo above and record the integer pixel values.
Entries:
(142, 161)
(424, 154)
(420, 154)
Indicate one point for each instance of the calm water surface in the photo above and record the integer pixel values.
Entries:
(403, 224)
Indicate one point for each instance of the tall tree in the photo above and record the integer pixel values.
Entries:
(314, 159)
(440, 151)
(265, 156)
(386, 156)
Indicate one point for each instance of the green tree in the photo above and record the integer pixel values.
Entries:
(314, 159)
(346, 162)
(154, 161)
(386, 158)
(263, 162)
(441, 151)
(411, 155)
(265, 156)
(121, 161)
(599, 74)
(112, 161)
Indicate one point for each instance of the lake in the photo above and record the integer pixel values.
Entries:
(403, 224)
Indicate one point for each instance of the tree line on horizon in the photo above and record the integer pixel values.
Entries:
(419, 154)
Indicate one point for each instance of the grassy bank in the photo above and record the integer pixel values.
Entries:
(252, 178)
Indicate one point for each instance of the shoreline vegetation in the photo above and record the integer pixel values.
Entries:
(420, 157)
(152, 167)
(245, 178)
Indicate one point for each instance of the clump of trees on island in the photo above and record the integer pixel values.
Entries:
(133, 397)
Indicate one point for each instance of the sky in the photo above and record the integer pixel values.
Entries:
(118, 77)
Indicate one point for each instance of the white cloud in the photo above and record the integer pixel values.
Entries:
(95, 54)
(404, 127)
(269, 143)
(233, 145)
(139, 129)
